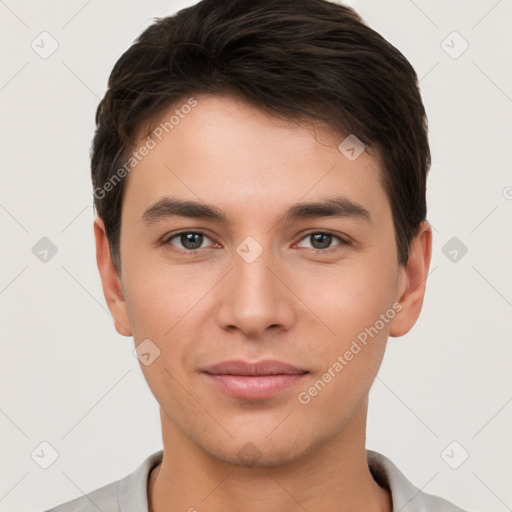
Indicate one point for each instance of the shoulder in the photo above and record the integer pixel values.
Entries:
(129, 494)
(405, 496)
(105, 499)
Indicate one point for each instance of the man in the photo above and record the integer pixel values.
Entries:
(259, 172)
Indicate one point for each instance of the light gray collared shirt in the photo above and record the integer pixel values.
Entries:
(129, 494)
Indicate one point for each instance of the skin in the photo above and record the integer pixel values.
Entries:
(292, 303)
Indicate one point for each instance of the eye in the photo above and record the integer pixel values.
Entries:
(321, 240)
(189, 240)
(193, 240)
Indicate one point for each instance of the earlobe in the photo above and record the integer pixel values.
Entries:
(415, 275)
(110, 280)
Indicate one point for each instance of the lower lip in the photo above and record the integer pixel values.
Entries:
(255, 387)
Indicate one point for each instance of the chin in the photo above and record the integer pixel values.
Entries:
(260, 449)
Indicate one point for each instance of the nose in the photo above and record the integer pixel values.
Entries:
(255, 295)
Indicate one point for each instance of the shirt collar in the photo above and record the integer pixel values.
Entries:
(133, 490)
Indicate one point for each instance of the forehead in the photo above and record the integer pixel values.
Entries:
(223, 151)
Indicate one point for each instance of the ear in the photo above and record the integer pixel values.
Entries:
(413, 282)
(110, 280)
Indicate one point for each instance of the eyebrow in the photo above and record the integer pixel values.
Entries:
(330, 207)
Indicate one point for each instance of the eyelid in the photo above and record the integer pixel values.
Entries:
(167, 238)
(343, 240)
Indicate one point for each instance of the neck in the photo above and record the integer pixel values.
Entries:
(332, 476)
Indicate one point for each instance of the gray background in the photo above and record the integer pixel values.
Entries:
(68, 379)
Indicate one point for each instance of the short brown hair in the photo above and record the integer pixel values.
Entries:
(295, 58)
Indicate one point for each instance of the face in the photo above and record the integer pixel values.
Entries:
(252, 274)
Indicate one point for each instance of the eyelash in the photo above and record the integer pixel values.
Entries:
(341, 240)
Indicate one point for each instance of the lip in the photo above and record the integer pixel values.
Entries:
(265, 367)
(254, 381)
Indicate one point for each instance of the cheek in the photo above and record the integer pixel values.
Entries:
(348, 297)
(155, 301)
(358, 307)
(167, 306)
(161, 309)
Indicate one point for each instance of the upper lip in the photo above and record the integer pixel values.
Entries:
(266, 367)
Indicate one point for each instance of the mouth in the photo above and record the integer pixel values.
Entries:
(254, 381)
